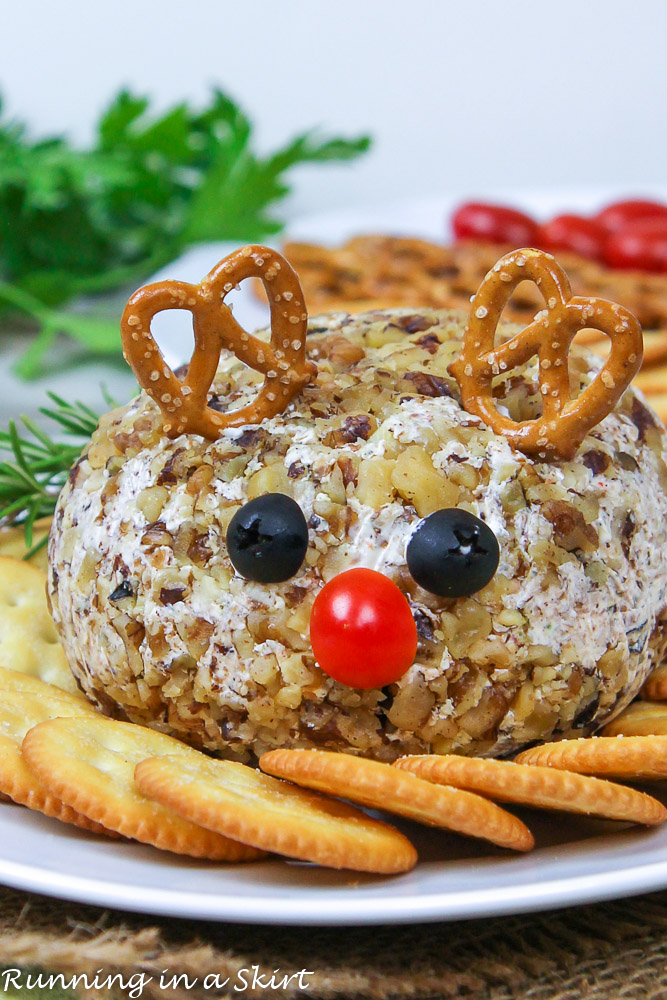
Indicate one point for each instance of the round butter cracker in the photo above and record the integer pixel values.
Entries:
(655, 688)
(89, 763)
(12, 543)
(28, 639)
(380, 786)
(26, 701)
(643, 758)
(539, 787)
(274, 815)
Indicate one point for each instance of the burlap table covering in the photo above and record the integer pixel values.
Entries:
(609, 950)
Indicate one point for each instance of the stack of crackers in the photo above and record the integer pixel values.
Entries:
(60, 756)
(382, 272)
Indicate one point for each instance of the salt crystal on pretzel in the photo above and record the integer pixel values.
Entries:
(564, 422)
(282, 361)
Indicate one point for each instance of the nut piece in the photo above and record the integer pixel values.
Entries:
(340, 351)
(271, 479)
(570, 529)
(375, 486)
(418, 482)
(412, 705)
(428, 385)
(355, 428)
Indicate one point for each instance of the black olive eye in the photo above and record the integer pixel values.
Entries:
(267, 539)
(452, 553)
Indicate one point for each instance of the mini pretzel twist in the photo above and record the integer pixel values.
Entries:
(564, 422)
(282, 361)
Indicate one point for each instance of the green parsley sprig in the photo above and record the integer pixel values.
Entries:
(79, 222)
(38, 466)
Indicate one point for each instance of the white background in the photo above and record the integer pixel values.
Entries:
(469, 97)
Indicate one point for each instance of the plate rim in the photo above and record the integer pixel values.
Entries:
(443, 907)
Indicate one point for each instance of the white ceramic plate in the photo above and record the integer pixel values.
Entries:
(575, 861)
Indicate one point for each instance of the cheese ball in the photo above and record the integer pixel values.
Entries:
(160, 629)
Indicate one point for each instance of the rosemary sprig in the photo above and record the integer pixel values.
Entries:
(31, 479)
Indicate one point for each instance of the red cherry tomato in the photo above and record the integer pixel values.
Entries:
(641, 246)
(362, 630)
(624, 213)
(494, 224)
(575, 233)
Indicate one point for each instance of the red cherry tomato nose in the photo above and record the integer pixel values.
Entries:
(362, 630)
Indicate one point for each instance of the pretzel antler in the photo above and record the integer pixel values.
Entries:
(282, 361)
(564, 422)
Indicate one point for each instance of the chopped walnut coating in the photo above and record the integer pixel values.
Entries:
(161, 630)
